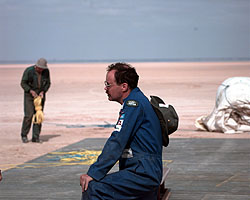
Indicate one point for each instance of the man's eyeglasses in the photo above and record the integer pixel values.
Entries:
(107, 85)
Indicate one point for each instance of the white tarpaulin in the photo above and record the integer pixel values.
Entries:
(232, 109)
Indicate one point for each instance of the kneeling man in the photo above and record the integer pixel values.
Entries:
(136, 143)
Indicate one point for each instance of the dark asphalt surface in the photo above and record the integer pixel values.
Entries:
(200, 169)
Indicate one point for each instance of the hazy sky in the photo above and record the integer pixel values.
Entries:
(118, 29)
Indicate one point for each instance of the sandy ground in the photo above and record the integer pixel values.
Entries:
(77, 97)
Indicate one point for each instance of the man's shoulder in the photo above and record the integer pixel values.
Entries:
(132, 103)
(30, 68)
(28, 71)
(136, 98)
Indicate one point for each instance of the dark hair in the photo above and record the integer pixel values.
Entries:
(125, 73)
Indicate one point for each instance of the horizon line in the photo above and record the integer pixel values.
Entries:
(223, 59)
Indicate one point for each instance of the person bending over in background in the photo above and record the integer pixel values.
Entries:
(35, 82)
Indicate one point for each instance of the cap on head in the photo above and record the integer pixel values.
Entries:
(42, 63)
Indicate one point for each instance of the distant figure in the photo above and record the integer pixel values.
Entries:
(1, 177)
(35, 82)
(136, 143)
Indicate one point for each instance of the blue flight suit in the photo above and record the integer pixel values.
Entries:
(137, 143)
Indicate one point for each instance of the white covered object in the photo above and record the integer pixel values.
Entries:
(232, 109)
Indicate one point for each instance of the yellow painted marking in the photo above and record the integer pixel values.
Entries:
(5, 167)
(87, 157)
(82, 157)
(227, 180)
(166, 162)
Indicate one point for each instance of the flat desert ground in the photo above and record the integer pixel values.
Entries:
(77, 98)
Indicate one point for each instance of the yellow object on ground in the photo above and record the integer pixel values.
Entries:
(38, 116)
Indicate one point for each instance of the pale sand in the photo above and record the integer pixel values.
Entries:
(77, 96)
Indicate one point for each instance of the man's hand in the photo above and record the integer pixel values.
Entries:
(41, 94)
(84, 181)
(1, 175)
(33, 93)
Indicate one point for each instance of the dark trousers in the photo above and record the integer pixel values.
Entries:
(148, 196)
(29, 111)
(122, 185)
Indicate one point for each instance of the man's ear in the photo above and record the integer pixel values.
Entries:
(125, 87)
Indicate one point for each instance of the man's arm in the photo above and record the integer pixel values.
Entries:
(128, 122)
(84, 181)
(47, 84)
(24, 81)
